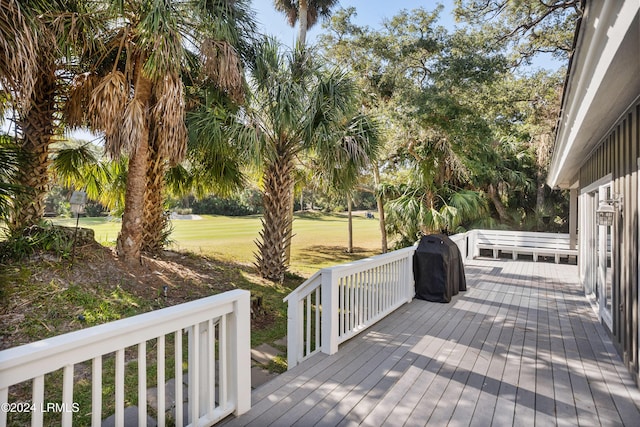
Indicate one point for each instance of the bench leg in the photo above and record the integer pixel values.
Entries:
(535, 257)
(557, 258)
(495, 254)
(514, 255)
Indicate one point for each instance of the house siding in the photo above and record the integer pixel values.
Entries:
(617, 154)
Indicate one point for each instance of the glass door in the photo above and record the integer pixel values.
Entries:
(604, 245)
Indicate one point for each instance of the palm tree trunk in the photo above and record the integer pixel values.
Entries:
(350, 215)
(380, 203)
(287, 258)
(37, 127)
(302, 21)
(155, 222)
(274, 238)
(129, 242)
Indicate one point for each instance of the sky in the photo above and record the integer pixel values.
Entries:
(370, 13)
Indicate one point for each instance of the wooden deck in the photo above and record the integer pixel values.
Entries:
(521, 347)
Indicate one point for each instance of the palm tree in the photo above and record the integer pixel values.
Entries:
(340, 166)
(297, 108)
(135, 90)
(37, 93)
(305, 12)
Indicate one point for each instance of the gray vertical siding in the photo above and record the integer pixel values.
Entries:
(617, 155)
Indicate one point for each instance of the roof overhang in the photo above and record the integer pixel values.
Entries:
(603, 80)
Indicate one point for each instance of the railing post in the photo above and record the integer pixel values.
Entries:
(408, 277)
(293, 331)
(464, 250)
(239, 352)
(329, 321)
(472, 250)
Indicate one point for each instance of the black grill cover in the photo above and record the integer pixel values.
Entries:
(438, 269)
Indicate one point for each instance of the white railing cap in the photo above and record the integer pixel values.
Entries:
(87, 343)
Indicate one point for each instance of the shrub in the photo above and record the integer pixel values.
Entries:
(44, 237)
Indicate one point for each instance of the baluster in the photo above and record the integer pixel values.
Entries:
(211, 366)
(96, 391)
(351, 302)
(193, 373)
(308, 325)
(120, 388)
(223, 374)
(300, 305)
(38, 401)
(317, 292)
(4, 398)
(178, 378)
(67, 395)
(161, 380)
(142, 382)
(341, 307)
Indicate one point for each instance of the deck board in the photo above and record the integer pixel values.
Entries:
(521, 347)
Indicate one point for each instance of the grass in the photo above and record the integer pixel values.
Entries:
(320, 240)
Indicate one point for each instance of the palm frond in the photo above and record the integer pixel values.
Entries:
(133, 127)
(79, 99)
(169, 118)
(222, 65)
(9, 166)
(107, 107)
(18, 53)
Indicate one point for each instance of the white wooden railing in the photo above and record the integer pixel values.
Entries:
(339, 302)
(218, 363)
(522, 243)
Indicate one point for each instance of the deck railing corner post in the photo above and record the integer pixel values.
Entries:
(472, 250)
(409, 277)
(330, 310)
(240, 350)
(293, 330)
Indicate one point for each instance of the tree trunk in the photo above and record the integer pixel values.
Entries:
(380, 203)
(350, 215)
(155, 221)
(274, 238)
(302, 21)
(495, 199)
(37, 127)
(287, 257)
(540, 178)
(129, 242)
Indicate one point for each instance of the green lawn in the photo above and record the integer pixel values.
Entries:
(320, 240)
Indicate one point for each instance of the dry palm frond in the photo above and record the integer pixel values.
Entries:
(106, 109)
(169, 115)
(289, 8)
(133, 127)
(222, 66)
(18, 53)
(79, 98)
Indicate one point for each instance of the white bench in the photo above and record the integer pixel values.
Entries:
(523, 242)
